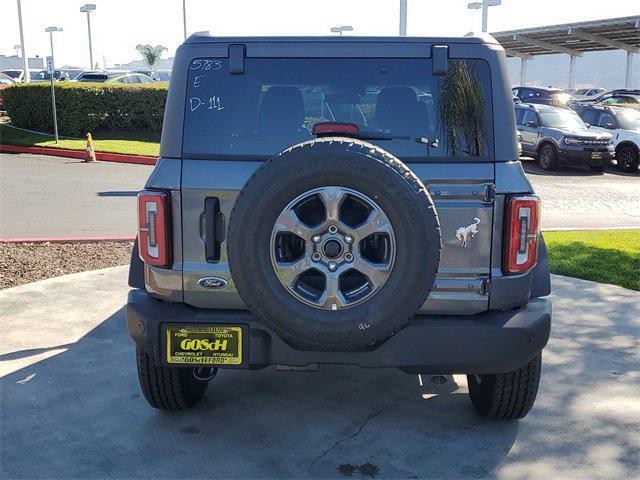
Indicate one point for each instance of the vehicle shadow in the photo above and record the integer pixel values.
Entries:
(80, 414)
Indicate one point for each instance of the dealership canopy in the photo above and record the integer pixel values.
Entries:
(574, 39)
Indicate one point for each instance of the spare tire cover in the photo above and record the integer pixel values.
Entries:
(334, 243)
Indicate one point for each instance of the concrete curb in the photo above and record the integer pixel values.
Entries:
(121, 238)
(63, 152)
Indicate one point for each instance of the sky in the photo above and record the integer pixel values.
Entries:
(119, 25)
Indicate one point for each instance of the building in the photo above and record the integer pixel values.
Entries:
(15, 62)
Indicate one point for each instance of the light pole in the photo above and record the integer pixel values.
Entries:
(184, 17)
(342, 28)
(88, 8)
(403, 18)
(17, 49)
(25, 61)
(51, 67)
(484, 5)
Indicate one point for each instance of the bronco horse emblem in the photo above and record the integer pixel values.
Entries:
(463, 233)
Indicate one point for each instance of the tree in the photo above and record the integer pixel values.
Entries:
(462, 110)
(150, 53)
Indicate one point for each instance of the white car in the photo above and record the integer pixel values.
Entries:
(18, 74)
(624, 124)
(584, 93)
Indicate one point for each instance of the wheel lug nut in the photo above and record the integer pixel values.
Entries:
(348, 257)
(316, 239)
(332, 266)
(348, 239)
(316, 257)
(333, 229)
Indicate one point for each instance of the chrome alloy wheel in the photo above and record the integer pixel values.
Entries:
(332, 247)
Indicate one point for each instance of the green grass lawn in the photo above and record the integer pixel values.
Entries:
(133, 143)
(605, 256)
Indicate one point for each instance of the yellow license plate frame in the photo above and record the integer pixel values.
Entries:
(204, 344)
(596, 155)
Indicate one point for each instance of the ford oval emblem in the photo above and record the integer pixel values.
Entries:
(212, 283)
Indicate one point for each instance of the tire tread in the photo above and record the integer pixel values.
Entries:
(167, 388)
(506, 396)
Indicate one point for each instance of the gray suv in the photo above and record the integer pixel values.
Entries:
(552, 134)
(340, 201)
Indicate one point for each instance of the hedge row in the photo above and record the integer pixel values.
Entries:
(84, 107)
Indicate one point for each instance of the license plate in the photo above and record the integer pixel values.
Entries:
(596, 154)
(204, 345)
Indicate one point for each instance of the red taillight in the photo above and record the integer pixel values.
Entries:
(335, 128)
(522, 234)
(154, 228)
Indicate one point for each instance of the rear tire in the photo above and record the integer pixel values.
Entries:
(627, 158)
(168, 388)
(506, 396)
(548, 157)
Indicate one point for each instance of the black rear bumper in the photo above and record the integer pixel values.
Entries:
(491, 342)
(584, 156)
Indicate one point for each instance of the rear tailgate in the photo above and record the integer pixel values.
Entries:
(463, 194)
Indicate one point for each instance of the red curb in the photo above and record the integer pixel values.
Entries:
(121, 238)
(63, 152)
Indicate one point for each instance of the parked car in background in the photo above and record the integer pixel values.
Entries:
(72, 73)
(551, 134)
(97, 75)
(542, 95)
(624, 125)
(611, 97)
(5, 81)
(584, 93)
(18, 74)
(42, 76)
(130, 78)
(161, 75)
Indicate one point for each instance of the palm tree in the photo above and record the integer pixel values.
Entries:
(462, 110)
(150, 53)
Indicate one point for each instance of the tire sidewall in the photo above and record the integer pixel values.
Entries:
(291, 174)
(634, 156)
(552, 159)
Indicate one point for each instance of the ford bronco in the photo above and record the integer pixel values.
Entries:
(340, 201)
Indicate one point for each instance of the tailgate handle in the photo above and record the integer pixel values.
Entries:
(214, 229)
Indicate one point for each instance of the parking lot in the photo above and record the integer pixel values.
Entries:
(66, 198)
(576, 198)
(45, 196)
(72, 406)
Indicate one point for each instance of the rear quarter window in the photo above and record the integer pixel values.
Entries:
(276, 101)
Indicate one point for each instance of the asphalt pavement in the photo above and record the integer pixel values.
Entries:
(575, 197)
(72, 407)
(43, 196)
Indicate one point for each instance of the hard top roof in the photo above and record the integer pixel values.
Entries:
(205, 37)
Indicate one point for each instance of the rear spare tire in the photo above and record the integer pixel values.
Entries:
(334, 243)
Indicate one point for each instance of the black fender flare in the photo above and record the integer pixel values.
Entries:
(541, 274)
(136, 268)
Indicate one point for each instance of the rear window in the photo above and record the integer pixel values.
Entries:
(275, 103)
(93, 77)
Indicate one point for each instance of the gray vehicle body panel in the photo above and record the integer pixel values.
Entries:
(470, 281)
